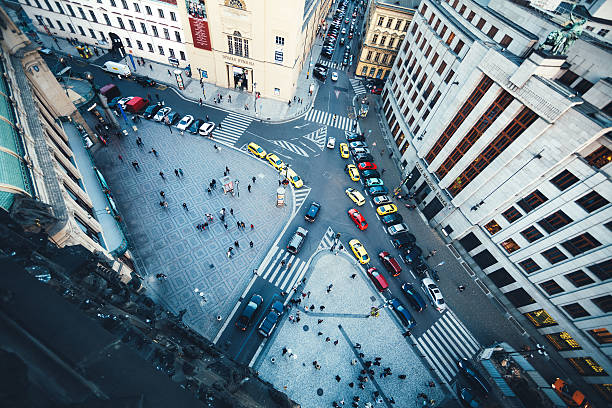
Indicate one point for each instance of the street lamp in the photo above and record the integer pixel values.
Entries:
(255, 96)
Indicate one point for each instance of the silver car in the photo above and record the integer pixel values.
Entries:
(382, 200)
(397, 229)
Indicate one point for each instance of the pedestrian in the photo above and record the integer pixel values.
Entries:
(151, 66)
(254, 179)
(319, 333)
(169, 74)
(284, 350)
(251, 244)
(231, 211)
(327, 339)
(461, 288)
(321, 308)
(161, 173)
(402, 376)
(351, 385)
(225, 225)
(357, 346)
(120, 157)
(338, 378)
(161, 193)
(200, 101)
(229, 98)
(252, 227)
(185, 207)
(354, 362)
(227, 169)
(319, 321)
(431, 384)
(336, 342)
(353, 276)
(308, 295)
(312, 307)
(407, 333)
(209, 191)
(382, 172)
(181, 172)
(249, 188)
(207, 118)
(154, 152)
(329, 288)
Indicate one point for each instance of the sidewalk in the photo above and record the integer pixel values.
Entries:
(268, 110)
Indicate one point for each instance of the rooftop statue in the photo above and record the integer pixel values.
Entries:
(561, 40)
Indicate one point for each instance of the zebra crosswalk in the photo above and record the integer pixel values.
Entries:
(444, 343)
(330, 64)
(318, 137)
(300, 196)
(281, 268)
(358, 87)
(327, 118)
(328, 239)
(232, 127)
(290, 146)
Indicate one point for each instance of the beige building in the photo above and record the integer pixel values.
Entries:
(387, 23)
(253, 46)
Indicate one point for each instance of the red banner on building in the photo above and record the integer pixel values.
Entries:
(199, 32)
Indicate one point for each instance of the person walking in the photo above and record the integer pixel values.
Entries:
(120, 157)
(353, 276)
(236, 244)
(135, 165)
(185, 207)
(254, 179)
(176, 172)
(161, 193)
(154, 152)
(251, 244)
(227, 170)
(249, 188)
(181, 172)
(231, 211)
(252, 227)
(461, 288)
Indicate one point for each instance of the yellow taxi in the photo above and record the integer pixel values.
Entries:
(386, 209)
(351, 170)
(292, 177)
(359, 251)
(256, 150)
(344, 150)
(355, 196)
(275, 161)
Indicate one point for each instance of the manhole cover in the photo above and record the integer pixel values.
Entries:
(306, 328)
(320, 392)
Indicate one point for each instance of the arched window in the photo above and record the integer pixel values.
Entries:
(238, 45)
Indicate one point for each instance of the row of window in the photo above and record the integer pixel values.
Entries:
(143, 28)
(388, 22)
(375, 72)
(579, 278)
(387, 59)
(124, 3)
(383, 41)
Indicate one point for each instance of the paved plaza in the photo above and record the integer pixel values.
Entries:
(344, 319)
(166, 240)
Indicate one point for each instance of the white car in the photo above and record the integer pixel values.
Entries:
(185, 122)
(159, 116)
(123, 101)
(331, 142)
(397, 228)
(434, 294)
(206, 129)
(334, 76)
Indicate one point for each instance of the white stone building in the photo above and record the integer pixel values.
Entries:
(145, 28)
(507, 150)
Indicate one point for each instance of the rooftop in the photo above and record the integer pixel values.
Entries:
(400, 4)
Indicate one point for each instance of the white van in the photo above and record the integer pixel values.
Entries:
(116, 68)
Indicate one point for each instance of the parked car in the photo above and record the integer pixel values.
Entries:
(391, 219)
(247, 314)
(269, 322)
(297, 240)
(403, 313)
(359, 251)
(380, 200)
(379, 281)
(185, 122)
(144, 81)
(363, 158)
(414, 298)
(159, 116)
(136, 104)
(313, 211)
(256, 150)
(320, 75)
(371, 174)
(378, 191)
(390, 264)
(405, 240)
(195, 126)
(360, 151)
(151, 111)
(366, 166)
(372, 182)
(467, 397)
(434, 294)
(358, 219)
(173, 117)
(397, 229)
(478, 383)
(206, 129)
(275, 161)
(353, 137)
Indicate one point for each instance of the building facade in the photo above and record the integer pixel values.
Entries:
(507, 150)
(252, 46)
(387, 22)
(144, 28)
(41, 184)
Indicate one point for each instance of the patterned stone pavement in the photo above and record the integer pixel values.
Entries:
(344, 320)
(166, 240)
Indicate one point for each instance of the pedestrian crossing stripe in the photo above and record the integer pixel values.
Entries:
(300, 196)
(327, 118)
(446, 342)
(290, 146)
(358, 87)
(282, 276)
(232, 128)
(318, 137)
(328, 63)
(328, 239)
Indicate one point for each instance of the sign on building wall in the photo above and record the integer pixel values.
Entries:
(200, 34)
(278, 56)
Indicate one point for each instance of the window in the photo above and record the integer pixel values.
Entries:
(579, 278)
(280, 40)
(602, 336)
(236, 45)
(171, 52)
(434, 59)
(364, 69)
(59, 7)
(470, 242)
(166, 34)
(529, 265)
(92, 33)
(512, 214)
(602, 270)
(501, 278)
(391, 42)
(369, 56)
(532, 201)
(450, 75)
(149, 12)
(592, 202)
(108, 22)
(563, 341)
(492, 32)
(120, 21)
(102, 36)
(155, 32)
(389, 22)
(93, 16)
(531, 234)
(505, 42)
(580, 244)
(49, 23)
(70, 10)
(112, 3)
(384, 59)
(60, 25)
(554, 255)
(139, 44)
(551, 287)
(540, 318)
(493, 227)
(70, 27)
(398, 24)
(377, 57)
(380, 21)
(441, 68)
(470, 16)
(458, 47)
(510, 246)
(143, 27)
(583, 86)
(599, 157)
(161, 13)
(586, 366)
(564, 180)
(137, 8)
(182, 54)
(484, 259)
(81, 31)
(450, 38)
(150, 46)
(481, 23)
(172, 16)
(555, 221)
(230, 45)
(374, 38)
(383, 40)
(603, 32)
(519, 298)
(132, 25)
(124, 4)
(128, 42)
(604, 303)
(161, 50)
(177, 36)
(444, 28)
(575, 310)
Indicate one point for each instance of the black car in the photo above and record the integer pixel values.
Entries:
(249, 311)
(467, 397)
(144, 81)
(403, 314)
(354, 137)
(319, 75)
(415, 300)
(370, 174)
(326, 54)
(195, 126)
(414, 251)
(365, 157)
(476, 380)
(151, 110)
(404, 241)
(391, 219)
(313, 211)
(269, 322)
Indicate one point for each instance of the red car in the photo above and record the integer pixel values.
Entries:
(367, 166)
(390, 263)
(379, 281)
(376, 90)
(358, 219)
